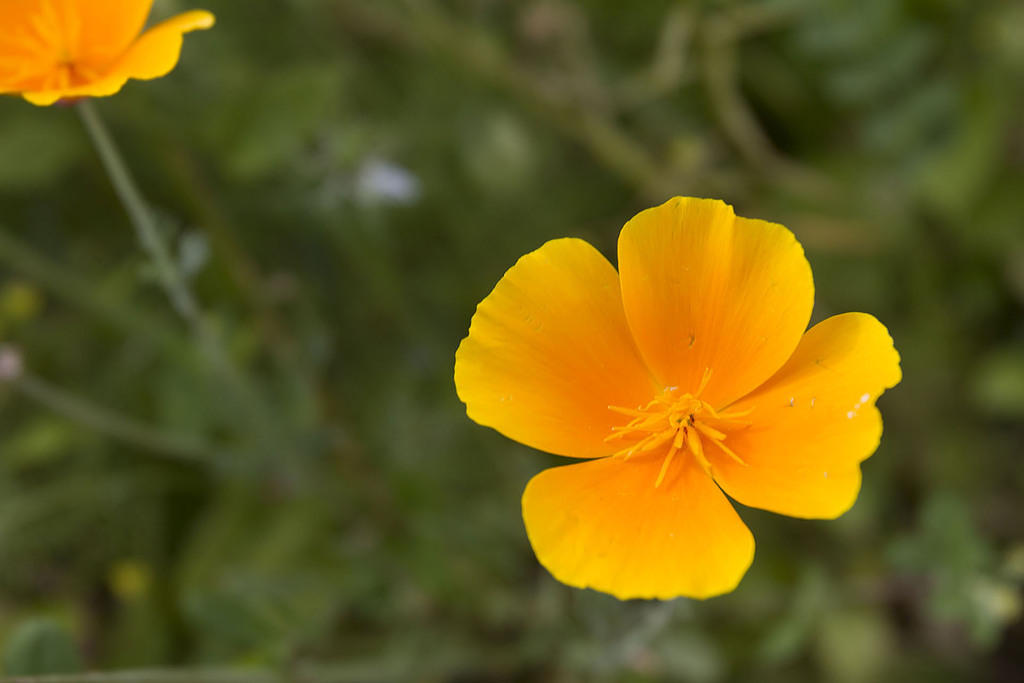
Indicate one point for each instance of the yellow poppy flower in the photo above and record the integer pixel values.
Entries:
(56, 49)
(687, 371)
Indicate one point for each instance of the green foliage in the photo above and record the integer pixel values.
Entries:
(343, 180)
(40, 646)
(37, 148)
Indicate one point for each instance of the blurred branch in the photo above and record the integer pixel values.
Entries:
(136, 323)
(721, 34)
(110, 423)
(174, 282)
(428, 29)
(153, 242)
(141, 215)
(749, 19)
(23, 259)
(423, 28)
(669, 68)
(721, 75)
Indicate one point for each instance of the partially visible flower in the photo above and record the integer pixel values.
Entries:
(56, 49)
(686, 373)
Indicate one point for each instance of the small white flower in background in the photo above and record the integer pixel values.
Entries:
(384, 182)
(11, 364)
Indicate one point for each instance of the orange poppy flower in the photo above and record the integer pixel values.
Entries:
(56, 49)
(687, 371)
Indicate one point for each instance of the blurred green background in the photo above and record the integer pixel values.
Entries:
(343, 180)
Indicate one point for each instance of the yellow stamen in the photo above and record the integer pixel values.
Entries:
(679, 420)
(716, 438)
(709, 431)
(648, 443)
(664, 466)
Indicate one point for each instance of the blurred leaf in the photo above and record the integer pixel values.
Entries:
(997, 604)
(955, 178)
(855, 646)
(37, 145)
(946, 541)
(499, 154)
(269, 121)
(689, 655)
(248, 577)
(999, 32)
(894, 62)
(786, 639)
(960, 566)
(997, 385)
(38, 442)
(904, 122)
(40, 646)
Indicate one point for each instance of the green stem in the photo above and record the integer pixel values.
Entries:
(171, 278)
(112, 424)
(141, 216)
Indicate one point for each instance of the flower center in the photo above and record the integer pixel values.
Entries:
(676, 421)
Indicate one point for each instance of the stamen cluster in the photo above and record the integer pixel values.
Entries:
(681, 420)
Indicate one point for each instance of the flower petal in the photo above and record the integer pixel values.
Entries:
(154, 54)
(813, 422)
(104, 28)
(602, 524)
(703, 289)
(157, 50)
(549, 350)
(102, 87)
